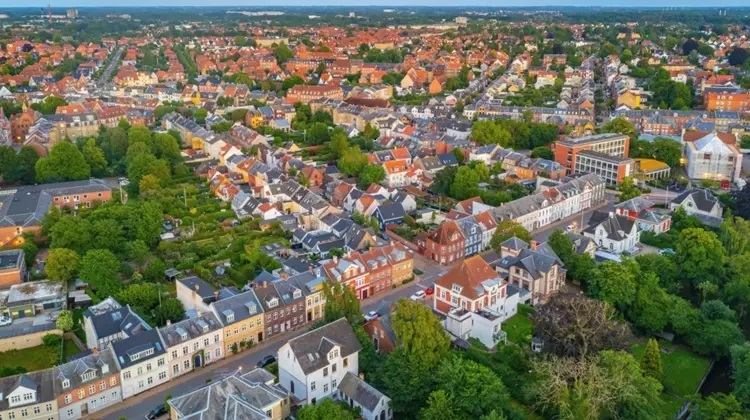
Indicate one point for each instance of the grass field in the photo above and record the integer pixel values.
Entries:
(39, 357)
(519, 326)
(683, 370)
(69, 349)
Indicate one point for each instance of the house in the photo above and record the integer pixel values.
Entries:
(612, 232)
(87, 385)
(711, 155)
(283, 305)
(372, 404)
(533, 268)
(443, 245)
(381, 333)
(28, 396)
(142, 361)
(389, 214)
(351, 271)
(483, 324)
(473, 285)
(252, 395)
(12, 267)
(241, 316)
(32, 298)
(312, 365)
(108, 321)
(641, 210)
(193, 343)
(700, 203)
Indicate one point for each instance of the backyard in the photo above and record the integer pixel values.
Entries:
(519, 327)
(39, 357)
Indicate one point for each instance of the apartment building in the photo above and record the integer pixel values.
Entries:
(726, 99)
(87, 385)
(533, 268)
(142, 361)
(711, 155)
(612, 169)
(193, 343)
(612, 144)
(28, 396)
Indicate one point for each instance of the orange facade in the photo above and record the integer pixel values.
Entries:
(722, 101)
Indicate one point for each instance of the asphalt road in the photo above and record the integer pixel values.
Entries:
(138, 406)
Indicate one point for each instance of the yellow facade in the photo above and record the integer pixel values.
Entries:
(249, 330)
(402, 271)
(629, 99)
(315, 305)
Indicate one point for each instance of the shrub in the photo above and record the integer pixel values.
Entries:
(52, 340)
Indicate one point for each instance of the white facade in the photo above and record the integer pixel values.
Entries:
(711, 158)
(319, 384)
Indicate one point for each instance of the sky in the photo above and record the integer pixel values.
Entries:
(387, 3)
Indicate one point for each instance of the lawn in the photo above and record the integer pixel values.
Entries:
(683, 370)
(519, 326)
(69, 349)
(671, 406)
(32, 358)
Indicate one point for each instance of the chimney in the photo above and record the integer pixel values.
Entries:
(533, 245)
(310, 268)
(196, 287)
(335, 259)
(265, 284)
(216, 295)
(169, 323)
(362, 376)
(95, 351)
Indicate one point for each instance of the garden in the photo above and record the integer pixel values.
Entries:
(54, 351)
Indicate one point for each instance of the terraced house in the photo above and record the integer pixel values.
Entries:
(142, 361)
(28, 396)
(241, 316)
(193, 343)
(87, 385)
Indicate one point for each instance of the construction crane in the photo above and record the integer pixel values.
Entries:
(49, 13)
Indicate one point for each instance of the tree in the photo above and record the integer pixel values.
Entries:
(736, 291)
(651, 361)
(371, 174)
(476, 389)
(49, 105)
(353, 161)
(628, 189)
(719, 406)
(292, 81)
(440, 406)
(699, 257)
(200, 115)
(94, 156)
(459, 154)
(647, 311)
(341, 302)
(576, 326)
(99, 269)
(667, 151)
(738, 56)
(166, 147)
(487, 132)
(318, 133)
(542, 152)
(139, 133)
(144, 296)
(734, 234)
(282, 53)
(71, 232)
(64, 163)
(339, 143)
(606, 385)
(741, 372)
(327, 409)
(408, 379)
(717, 331)
(65, 321)
(171, 310)
(465, 184)
(371, 132)
(222, 127)
(149, 186)
(614, 283)
(562, 245)
(419, 333)
(139, 252)
(742, 202)
(689, 46)
(507, 229)
(62, 265)
(620, 125)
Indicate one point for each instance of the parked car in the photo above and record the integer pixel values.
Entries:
(5, 320)
(124, 182)
(266, 361)
(430, 290)
(418, 295)
(157, 412)
(371, 315)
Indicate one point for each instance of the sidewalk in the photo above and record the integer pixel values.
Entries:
(224, 364)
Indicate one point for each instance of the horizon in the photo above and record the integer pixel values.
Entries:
(541, 4)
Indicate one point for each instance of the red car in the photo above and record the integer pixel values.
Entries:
(430, 290)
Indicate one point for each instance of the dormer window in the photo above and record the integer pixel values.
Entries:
(297, 294)
(273, 303)
(105, 368)
(88, 376)
(66, 383)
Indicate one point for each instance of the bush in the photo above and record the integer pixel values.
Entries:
(52, 340)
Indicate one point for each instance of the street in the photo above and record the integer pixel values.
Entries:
(138, 406)
(579, 221)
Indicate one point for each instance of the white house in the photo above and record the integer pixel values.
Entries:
(711, 155)
(312, 365)
(700, 203)
(142, 360)
(373, 404)
(193, 343)
(109, 321)
(612, 232)
(29, 396)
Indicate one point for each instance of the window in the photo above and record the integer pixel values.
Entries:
(48, 407)
(112, 381)
(333, 384)
(126, 375)
(162, 375)
(175, 369)
(150, 380)
(196, 346)
(333, 368)
(140, 371)
(186, 364)
(37, 410)
(81, 394)
(68, 399)
(148, 367)
(346, 362)
(174, 354)
(160, 362)
(205, 342)
(216, 338)
(70, 412)
(186, 350)
(11, 415)
(92, 389)
(66, 383)
(217, 353)
(28, 396)
(325, 387)
(325, 372)
(312, 386)
(140, 384)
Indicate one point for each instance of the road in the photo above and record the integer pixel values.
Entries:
(137, 407)
(579, 220)
(114, 62)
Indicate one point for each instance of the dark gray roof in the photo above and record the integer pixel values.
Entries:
(616, 226)
(189, 329)
(514, 243)
(117, 320)
(240, 306)
(128, 347)
(704, 199)
(40, 381)
(311, 349)
(360, 391)
(203, 289)
(391, 211)
(73, 371)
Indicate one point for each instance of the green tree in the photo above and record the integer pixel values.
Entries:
(71, 232)
(339, 143)
(327, 409)
(440, 406)
(292, 81)
(647, 311)
(99, 269)
(542, 152)
(49, 105)
(200, 115)
(614, 283)
(719, 406)
(408, 378)
(734, 234)
(487, 132)
(353, 161)
(62, 265)
(419, 333)
(139, 252)
(476, 389)
(64, 163)
(222, 127)
(507, 229)
(620, 125)
(94, 156)
(651, 361)
(699, 257)
(139, 295)
(317, 133)
(741, 372)
(65, 321)
(171, 310)
(465, 184)
(628, 189)
(736, 291)
(667, 151)
(139, 133)
(341, 302)
(282, 53)
(371, 174)
(149, 186)
(166, 147)
(459, 154)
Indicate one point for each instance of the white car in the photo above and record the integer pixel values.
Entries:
(371, 315)
(124, 182)
(5, 320)
(418, 295)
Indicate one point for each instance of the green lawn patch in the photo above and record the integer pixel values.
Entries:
(32, 358)
(683, 369)
(69, 349)
(671, 406)
(519, 326)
